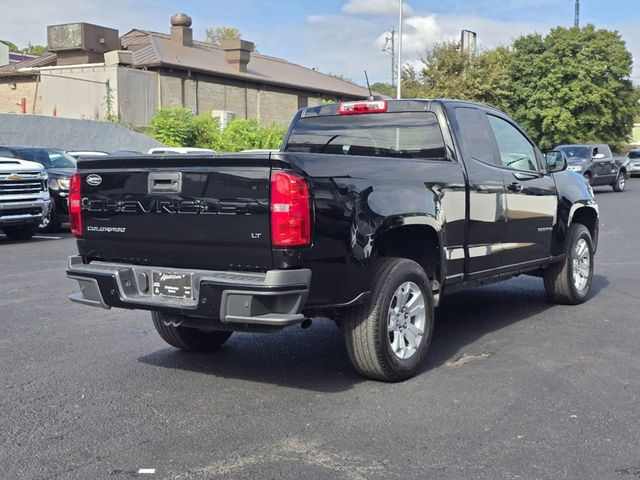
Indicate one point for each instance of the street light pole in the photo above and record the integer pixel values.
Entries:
(399, 75)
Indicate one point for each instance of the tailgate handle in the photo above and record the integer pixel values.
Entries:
(165, 182)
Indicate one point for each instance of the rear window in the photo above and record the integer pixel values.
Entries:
(401, 135)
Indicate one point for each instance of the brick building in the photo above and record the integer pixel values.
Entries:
(92, 73)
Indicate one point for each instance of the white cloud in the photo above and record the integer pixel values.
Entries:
(375, 7)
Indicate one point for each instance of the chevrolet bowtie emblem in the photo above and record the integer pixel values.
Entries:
(15, 177)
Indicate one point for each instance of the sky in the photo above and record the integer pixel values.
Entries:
(335, 36)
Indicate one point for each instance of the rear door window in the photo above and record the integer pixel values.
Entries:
(476, 138)
(401, 135)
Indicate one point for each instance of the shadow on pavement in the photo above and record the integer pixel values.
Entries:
(316, 359)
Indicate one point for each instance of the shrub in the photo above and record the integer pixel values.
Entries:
(179, 127)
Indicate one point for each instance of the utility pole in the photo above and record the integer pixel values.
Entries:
(576, 18)
(390, 47)
(399, 92)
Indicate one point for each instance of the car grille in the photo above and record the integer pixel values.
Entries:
(30, 183)
(21, 211)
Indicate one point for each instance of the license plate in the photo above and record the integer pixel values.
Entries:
(172, 285)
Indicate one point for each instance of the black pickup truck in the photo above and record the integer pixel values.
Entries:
(369, 214)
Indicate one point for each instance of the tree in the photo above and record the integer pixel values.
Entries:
(30, 50)
(449, 72)
(384, 89)
(35, 49)
(573, 86)
(570, 86)
(215, 36)
(12, 46)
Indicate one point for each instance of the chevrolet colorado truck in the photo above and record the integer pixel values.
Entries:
(369, 214)
(24, 197)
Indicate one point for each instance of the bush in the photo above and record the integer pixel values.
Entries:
(179, 127)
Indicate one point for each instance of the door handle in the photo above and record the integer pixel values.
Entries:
(165, 182)
(514, 187)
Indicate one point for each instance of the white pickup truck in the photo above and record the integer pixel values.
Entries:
(24, 197)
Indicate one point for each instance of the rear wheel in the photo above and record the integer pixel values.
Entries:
(388, 337)
(21, 232)
(186, 338)
(568, 282)
(620, 183)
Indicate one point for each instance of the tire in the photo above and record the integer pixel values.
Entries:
(52, 222)
(21, 232)
(620, 183)
(559, 282)
(370, 343)
(186, 338)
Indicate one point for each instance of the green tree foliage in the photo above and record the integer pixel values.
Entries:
(30, 50)
(570, 86)
(573, 86)
(12, 46)
(215, 36)
(179, 127)
(449, 72)
(383, 89)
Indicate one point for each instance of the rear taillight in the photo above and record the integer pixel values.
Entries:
(75, 201)
(290, 210)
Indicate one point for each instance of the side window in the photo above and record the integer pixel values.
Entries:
(477, 140)
(515, 150)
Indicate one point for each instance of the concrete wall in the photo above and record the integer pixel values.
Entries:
(71, 134)
(13, 90)
(137, 94)
(78, 92)
(4, 54)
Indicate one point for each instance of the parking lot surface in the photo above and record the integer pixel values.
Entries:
(514, 387)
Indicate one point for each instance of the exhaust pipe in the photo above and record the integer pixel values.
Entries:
(306, 323)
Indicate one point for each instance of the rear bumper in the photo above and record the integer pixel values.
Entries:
(273, 298)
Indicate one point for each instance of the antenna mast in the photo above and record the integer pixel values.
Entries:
(576, 18)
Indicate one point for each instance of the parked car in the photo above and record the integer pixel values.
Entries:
(634, 161)
(183, 150)
(372, 211)
(60, 167)
(597, 164)
(87, 153)
(24, 197)
(126, 153)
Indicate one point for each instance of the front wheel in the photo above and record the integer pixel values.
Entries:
(187, 338)
(620, 183)
(387, 337)
(568, 282)
(51, 223)
(21, 232)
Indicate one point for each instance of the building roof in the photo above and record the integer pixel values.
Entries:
(20, 69)
(153, 49)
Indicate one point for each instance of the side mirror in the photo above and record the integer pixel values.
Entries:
(556, 161)
(598, 156)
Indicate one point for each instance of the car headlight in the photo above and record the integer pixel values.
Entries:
(63, 183)
(575, 168)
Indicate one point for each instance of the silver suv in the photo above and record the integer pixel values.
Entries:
(24, 197)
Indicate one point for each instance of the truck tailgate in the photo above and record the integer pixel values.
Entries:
(178, 211)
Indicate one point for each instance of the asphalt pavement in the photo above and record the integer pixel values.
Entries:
(514, 387)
